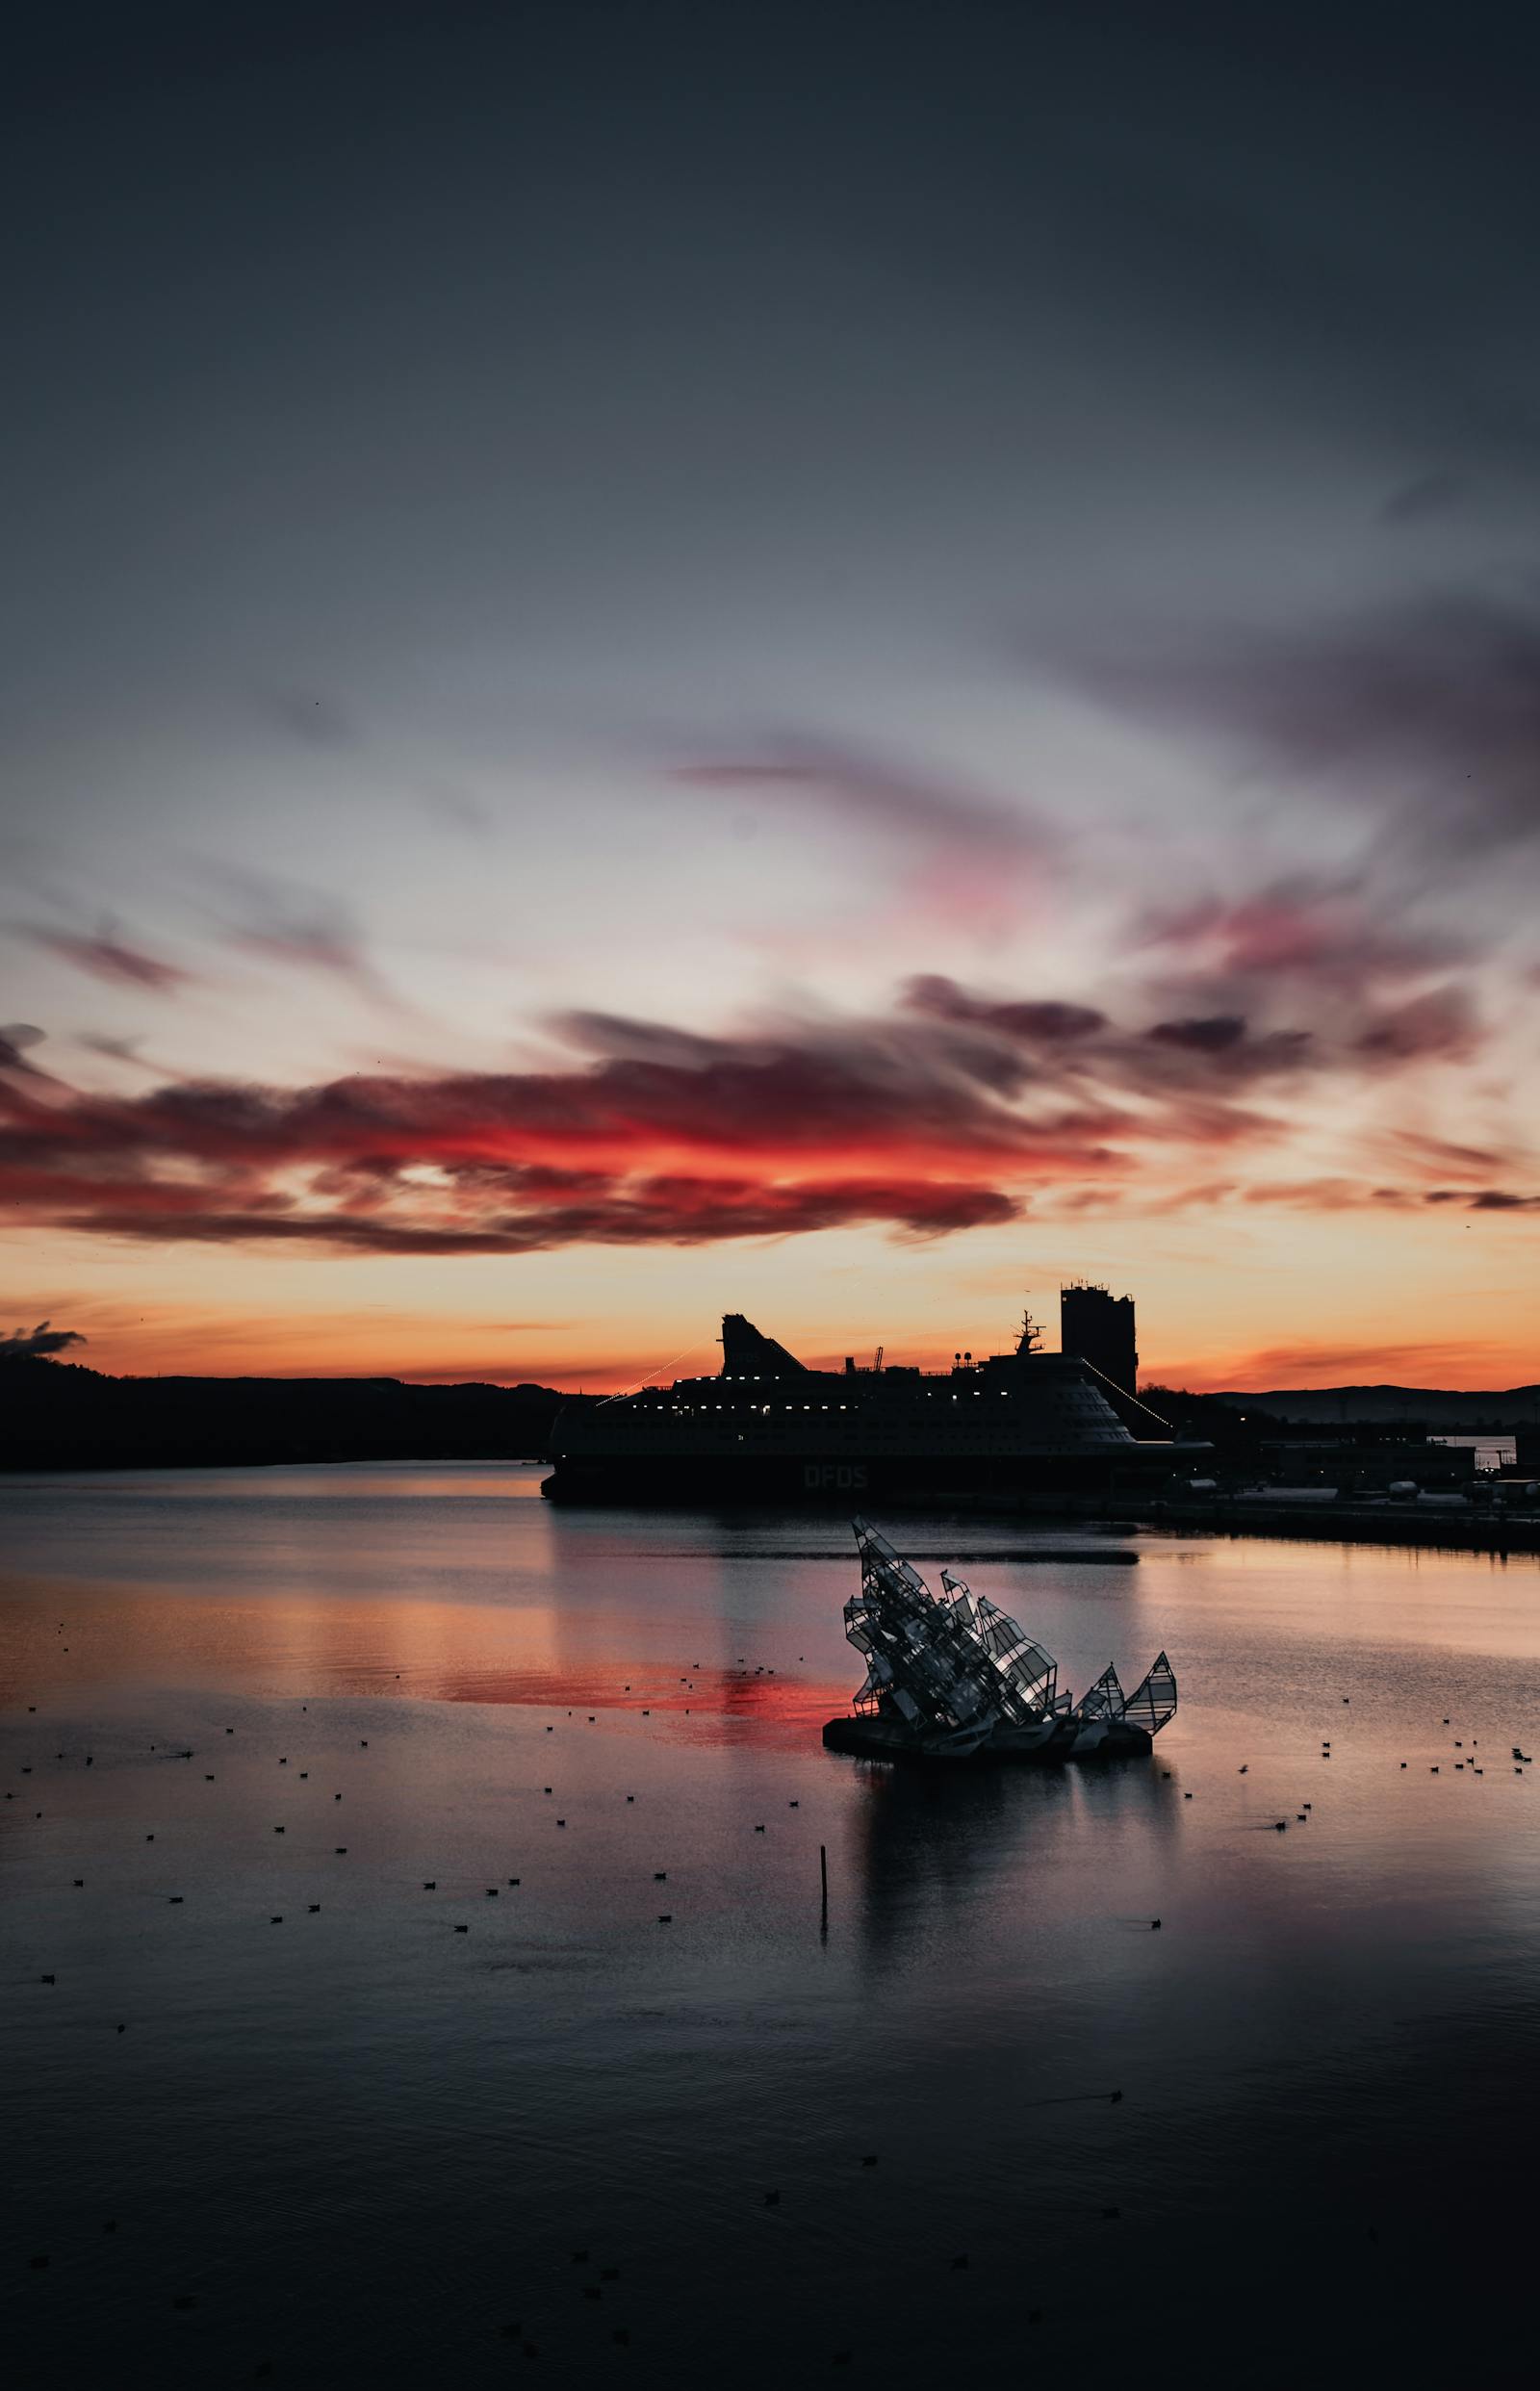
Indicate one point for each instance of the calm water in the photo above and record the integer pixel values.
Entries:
(370, 2148)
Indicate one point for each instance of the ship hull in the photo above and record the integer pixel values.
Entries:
(783, 1481)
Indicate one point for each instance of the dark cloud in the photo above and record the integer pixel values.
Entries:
(288, 922)
(1044, 1021)
(1440, 1025)
(24, 1344)
(1216, 1049)
(1327, 1194)
(1354, 990)
(654, 1211)
(16, 1038)
(126, 1050)
(877, 794)
(1072, 1044)
(1425, 713)
(1215, 1033)
(622, 1036)
(108, 957)
(1294, 934)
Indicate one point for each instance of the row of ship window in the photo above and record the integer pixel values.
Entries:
(1061, 1403)
(1005, 1397)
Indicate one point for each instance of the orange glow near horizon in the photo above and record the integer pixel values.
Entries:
(1242, 1303)
(840, 758)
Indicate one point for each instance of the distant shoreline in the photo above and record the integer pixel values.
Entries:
(1444, 1529)
(1355, 1523)
(57, 1415)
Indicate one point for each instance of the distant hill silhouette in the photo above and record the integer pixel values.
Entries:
(1455, 1409)
(1237, 1438)
(57, 1415)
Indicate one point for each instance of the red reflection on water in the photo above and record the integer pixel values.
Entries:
(762, 1698)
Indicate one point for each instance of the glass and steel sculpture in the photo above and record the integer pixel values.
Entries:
(1152, 1704)
(1110, 1720)
(928, 1675)
(954, 1676)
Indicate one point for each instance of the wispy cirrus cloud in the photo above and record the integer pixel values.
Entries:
(876, 793)
(1423, 714)
(1438, 1157)
(107, 955)
(1294, 934)
(287, 921)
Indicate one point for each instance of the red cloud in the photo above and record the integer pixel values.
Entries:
(933, 1120)
(1300, 931)
(657, 1211)
(657, 1136)
(1438, 1024)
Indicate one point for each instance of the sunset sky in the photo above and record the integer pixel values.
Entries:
(829, 663)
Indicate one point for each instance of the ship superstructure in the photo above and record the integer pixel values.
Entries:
(766, 1427)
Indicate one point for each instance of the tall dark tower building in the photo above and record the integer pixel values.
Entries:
(1099, 1329)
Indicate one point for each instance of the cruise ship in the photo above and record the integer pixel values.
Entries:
(768, 1429)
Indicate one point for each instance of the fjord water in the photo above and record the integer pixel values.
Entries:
(360, 2147)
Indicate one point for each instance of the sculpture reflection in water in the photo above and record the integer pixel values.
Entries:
(951, 1676)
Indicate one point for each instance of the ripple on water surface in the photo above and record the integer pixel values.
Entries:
(367, 2147)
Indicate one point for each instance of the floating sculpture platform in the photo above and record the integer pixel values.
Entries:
(951, 1676)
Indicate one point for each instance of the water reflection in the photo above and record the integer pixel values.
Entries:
(309, 2123)
(928, 1843)
(935, 1850)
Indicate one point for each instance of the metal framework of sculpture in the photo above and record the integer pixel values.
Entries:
(953, 1676)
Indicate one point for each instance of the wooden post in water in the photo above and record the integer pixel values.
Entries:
(823, 1872)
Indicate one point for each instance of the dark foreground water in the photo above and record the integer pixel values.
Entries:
(357, 2145)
